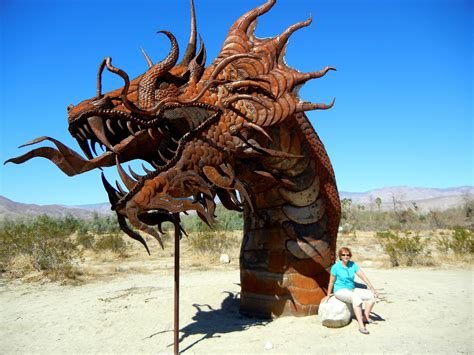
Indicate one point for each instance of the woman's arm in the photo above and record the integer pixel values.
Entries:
(364, 278)
(332, 279)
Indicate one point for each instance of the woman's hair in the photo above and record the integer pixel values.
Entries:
(342, 250)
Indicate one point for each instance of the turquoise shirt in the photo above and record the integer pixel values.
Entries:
(344, 275)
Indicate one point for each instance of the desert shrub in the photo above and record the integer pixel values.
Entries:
(402, 250)
(192, 223)
(102, 224)
(44, 240)
(226, 220)
(54, 256)
(112, 242)
(213, 242)
(460, 242)
(85, 239)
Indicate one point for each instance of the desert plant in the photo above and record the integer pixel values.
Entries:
(54, 256)
(226, 221)
(112, 242)
(402, 250)
(102, 224)
(85, 239)
(212, 242)
(44, 240)
(461, 241)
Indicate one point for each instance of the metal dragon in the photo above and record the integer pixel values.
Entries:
(235, 129)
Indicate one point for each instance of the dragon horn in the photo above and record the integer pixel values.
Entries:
(146, 87)
(191, 49)
(246, 20)
(147, 58)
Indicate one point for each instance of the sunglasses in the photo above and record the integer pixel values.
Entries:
(346, 255)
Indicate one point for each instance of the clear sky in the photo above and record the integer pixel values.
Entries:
(403, 112)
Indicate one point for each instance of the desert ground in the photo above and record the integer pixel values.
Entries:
(127, 307)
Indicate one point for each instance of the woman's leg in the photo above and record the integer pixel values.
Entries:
(368, 309)
(346, 295)
(358, 314)
(369, 298)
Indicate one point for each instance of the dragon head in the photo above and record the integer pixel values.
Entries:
(199, 127)
(145, 119)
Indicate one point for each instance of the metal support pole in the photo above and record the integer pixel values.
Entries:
(177, 237)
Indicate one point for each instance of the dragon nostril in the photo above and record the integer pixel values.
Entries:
(70, 107)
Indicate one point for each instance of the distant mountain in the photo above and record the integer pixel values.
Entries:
(11, 209)
(100, 208)
(404, 196)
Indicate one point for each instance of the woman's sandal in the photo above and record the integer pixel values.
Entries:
(364, 331)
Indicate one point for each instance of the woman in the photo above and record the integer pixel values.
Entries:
(342, 279)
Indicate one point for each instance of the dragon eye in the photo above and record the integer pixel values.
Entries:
(70, 107)
(163, 86)
(103, 102)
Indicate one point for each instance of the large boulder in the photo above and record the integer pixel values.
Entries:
(334, 313)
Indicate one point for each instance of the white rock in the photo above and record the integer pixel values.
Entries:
(334, 313)
(268, 345)
(224, 259)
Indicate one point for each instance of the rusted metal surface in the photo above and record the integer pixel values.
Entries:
(234, 129)
(177, 238)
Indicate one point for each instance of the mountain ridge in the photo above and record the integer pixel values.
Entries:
(403, 196)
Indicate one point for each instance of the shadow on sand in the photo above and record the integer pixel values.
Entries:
(211, 322)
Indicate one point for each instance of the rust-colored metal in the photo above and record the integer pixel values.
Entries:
(177, 238)
(234, 128)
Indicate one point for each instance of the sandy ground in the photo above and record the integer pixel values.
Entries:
(424, 311)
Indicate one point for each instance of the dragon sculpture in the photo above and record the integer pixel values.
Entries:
(235, 130)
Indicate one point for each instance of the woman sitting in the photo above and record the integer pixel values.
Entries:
(342, 279)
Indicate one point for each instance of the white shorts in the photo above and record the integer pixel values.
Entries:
(355, 296)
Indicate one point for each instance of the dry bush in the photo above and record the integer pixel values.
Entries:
(404, 249)
(111, 242)
(43, 241)
(20, 265)
(212, 244)
(85, 239)
(460, 242)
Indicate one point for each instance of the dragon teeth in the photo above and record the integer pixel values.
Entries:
(108, 123)
(152, 133)
(80, 136)
(93, 143)
(127, 180)
(97, 126)
(134, 174)
(82, 133)
(146, 170)
(87, 128)
(85, 148)
(174, 140)
(120, 124)
(130, 127)
(120, 188)
(163, 157)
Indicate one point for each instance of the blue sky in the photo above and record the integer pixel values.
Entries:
(403, 113)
